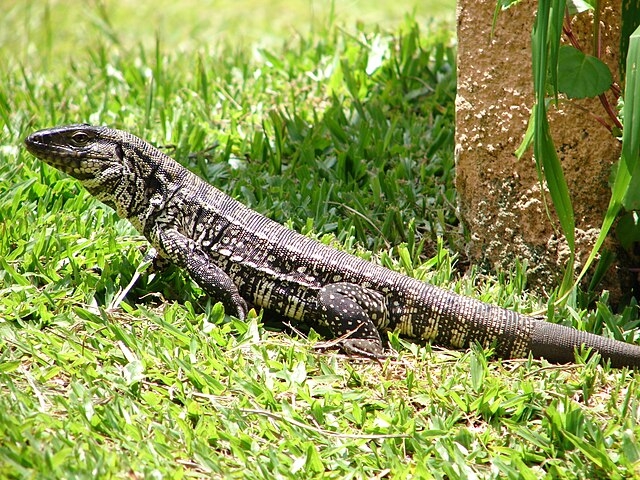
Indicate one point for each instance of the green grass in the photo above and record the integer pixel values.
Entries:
(343, 131)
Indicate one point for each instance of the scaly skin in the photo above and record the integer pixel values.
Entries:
(237, 256)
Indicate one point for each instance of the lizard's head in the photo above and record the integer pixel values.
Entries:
(97, 156)
(82, 151)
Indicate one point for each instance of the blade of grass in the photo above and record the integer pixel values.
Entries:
(630, 17)
(545, 44)
(631, 109)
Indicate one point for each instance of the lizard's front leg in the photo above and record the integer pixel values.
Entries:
(185, 253)
(354, 311)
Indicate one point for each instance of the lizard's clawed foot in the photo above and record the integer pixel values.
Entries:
(363, 348)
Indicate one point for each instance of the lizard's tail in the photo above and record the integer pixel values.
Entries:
(557, 344)
(459, 321)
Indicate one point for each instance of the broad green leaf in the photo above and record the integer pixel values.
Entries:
(580, 75)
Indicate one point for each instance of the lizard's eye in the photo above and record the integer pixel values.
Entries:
(80, 139)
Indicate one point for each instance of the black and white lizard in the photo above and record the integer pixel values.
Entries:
(237, 256)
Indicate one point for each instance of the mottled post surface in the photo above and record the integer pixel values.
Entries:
(499, 196)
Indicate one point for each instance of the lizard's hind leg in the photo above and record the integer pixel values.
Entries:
(355, 312)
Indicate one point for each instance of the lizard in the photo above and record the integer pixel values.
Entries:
(240, 257)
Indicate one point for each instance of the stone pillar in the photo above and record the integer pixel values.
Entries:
(500, 200)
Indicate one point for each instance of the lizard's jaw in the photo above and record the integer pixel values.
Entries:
(58, 156)
(52, 147)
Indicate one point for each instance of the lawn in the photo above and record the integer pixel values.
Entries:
(336, 120)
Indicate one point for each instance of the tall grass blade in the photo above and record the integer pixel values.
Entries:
(556, 19)
(630, 18)
(545, 46)
(631, 113)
